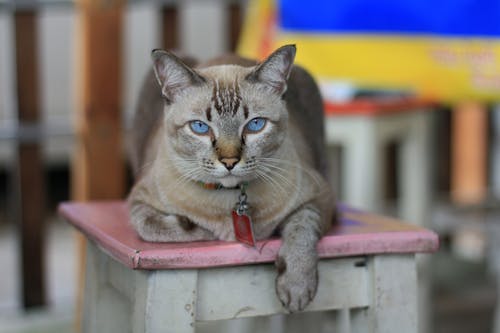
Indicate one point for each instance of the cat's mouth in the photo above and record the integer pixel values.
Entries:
(229, 178)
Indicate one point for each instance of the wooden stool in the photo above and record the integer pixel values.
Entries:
(363, 128)
(367, 267)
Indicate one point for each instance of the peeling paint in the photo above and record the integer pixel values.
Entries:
(136, 259)
(243, 309)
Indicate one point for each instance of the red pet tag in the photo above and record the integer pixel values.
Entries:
(242, 223)
(243, 228)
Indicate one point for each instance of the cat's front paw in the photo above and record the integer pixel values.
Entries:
(296, 286)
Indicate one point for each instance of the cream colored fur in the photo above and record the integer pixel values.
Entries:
(284, 164)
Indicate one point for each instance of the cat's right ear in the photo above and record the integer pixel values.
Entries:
(172, 74)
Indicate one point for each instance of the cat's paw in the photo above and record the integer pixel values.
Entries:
(296, 286)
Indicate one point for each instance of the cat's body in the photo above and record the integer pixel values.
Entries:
(228, 122)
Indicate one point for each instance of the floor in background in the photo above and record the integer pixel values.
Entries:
(464, 290)
(464, 294)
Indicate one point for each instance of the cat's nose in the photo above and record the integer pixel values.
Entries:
(229, 162)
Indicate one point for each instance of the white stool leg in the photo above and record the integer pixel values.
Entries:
(93, 283)
(363, 165)
(394, 308)
(105, 308)
(165, 301)
(414, 176)
(415, 183)
(343, 321)
(362, 159)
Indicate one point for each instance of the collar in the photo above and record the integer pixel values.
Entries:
(219, 186)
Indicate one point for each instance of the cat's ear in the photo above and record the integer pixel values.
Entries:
(172, 74)
(274, 71)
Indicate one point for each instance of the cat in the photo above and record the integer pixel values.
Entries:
(249, 129)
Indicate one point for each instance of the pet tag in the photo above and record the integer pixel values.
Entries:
(242, 223)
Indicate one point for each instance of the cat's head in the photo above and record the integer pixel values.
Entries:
(224, 122)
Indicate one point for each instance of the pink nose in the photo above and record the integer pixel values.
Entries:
(229, 162)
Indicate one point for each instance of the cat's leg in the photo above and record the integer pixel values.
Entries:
(297, 261)
(156, 226)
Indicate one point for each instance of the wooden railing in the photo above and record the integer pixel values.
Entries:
(30, 178)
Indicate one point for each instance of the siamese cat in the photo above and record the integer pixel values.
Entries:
(234, 149)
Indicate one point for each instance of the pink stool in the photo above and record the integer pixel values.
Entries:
(367, 270)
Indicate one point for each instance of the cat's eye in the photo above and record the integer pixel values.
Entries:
(199, 127)
(255, 125)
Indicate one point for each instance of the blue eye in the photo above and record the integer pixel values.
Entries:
(199, 127)
(256, 124)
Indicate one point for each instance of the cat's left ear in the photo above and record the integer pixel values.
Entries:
(274, 71)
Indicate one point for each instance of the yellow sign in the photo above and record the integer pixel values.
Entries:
(448, 68)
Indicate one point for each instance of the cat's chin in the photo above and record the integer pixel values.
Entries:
(230, 181)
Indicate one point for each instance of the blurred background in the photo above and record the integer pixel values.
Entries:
(424, 76)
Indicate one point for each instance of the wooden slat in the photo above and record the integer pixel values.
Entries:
(469, 153)
(30, 167)
(235, 21)
(170, 34)
(98, 162)
(495, 156)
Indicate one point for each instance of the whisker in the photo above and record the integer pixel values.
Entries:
(283, 179)
(189, 174)
(314, 176)
(276, 187)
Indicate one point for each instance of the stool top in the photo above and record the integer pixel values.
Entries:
(358, 233)
(377, 106)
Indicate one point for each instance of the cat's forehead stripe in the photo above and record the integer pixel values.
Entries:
(245, 111)
(208, 113)
(226, 97)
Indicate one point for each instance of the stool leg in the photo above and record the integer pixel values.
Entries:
(343, 321)
(394, 308)
(414, 177)
(105, 308)
(165, 301)
(415, 193)
(363, 163)
(93, 281)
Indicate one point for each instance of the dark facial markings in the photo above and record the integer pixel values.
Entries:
(226, 97)
(208, 113)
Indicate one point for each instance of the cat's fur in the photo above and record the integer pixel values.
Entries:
(284, 164)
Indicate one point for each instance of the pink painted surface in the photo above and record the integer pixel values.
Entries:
(359, 233)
